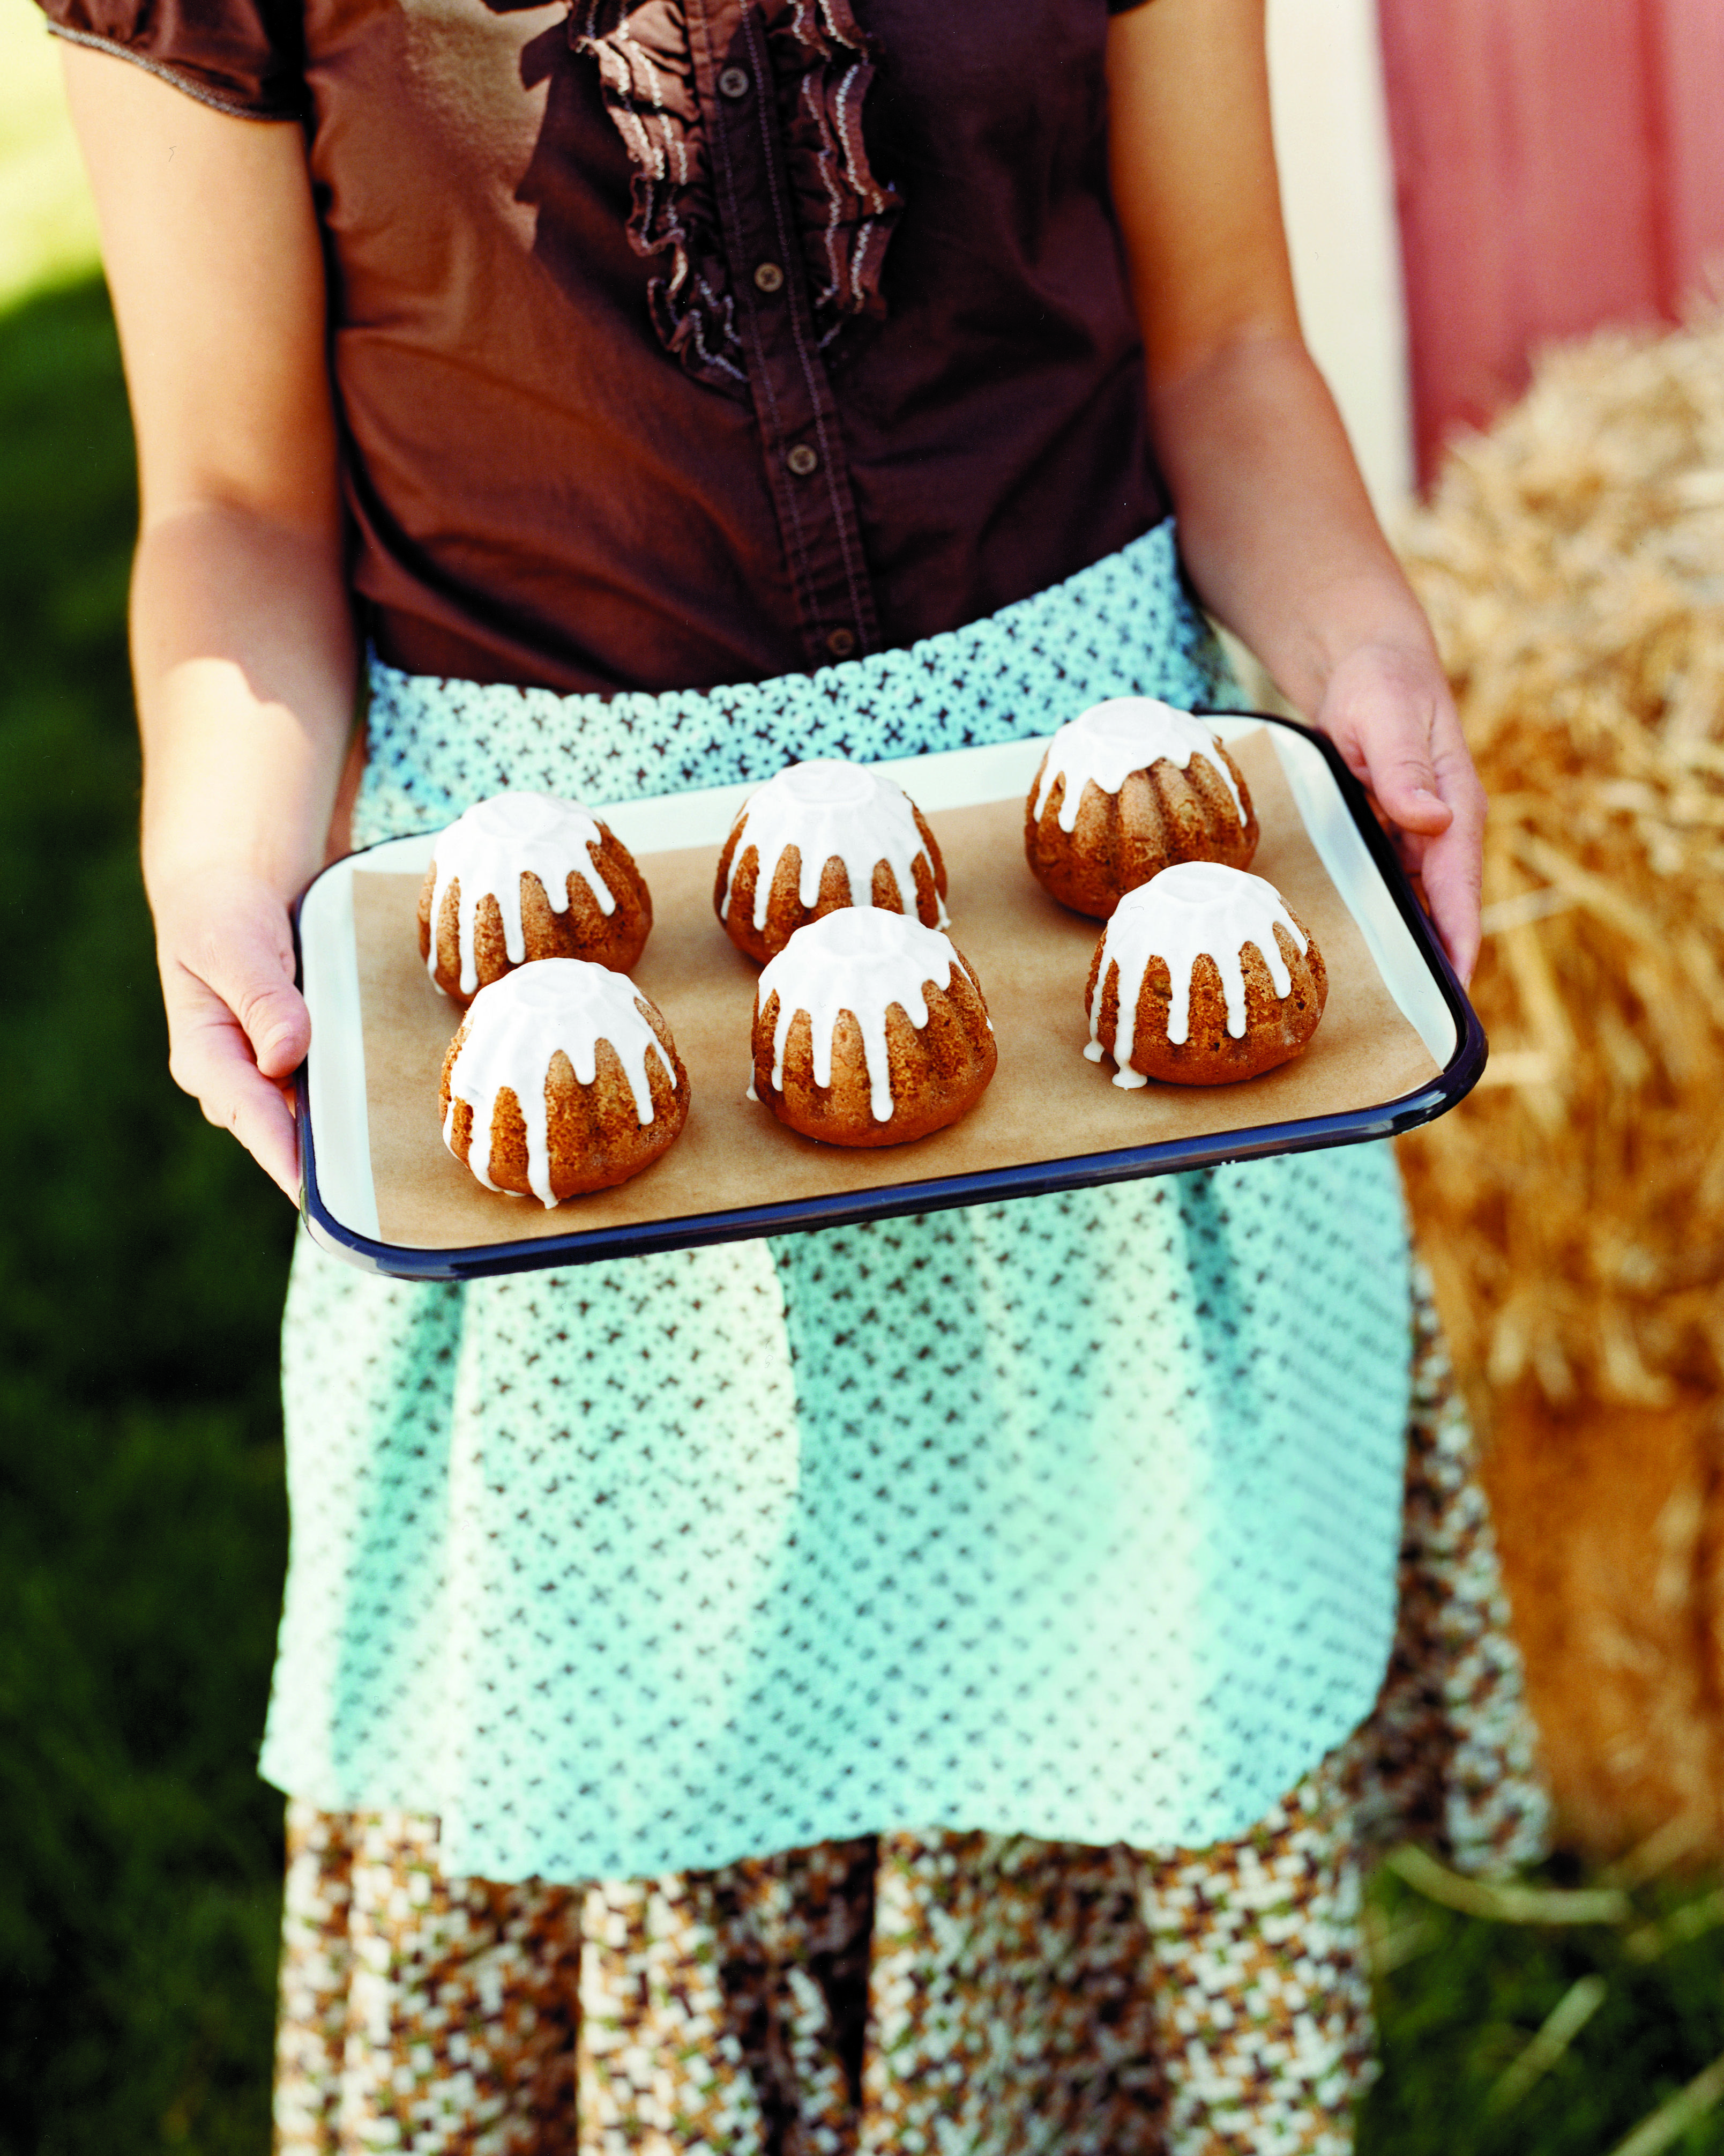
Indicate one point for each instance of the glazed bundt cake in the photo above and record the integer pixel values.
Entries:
(1202, 978)
(821, 835)
(869, 1029)
(563, 1078)
(1126, 789)
(525, 877)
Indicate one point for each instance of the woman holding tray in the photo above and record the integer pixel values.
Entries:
(901, 1687)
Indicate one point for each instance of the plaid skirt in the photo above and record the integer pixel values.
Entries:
(906, 1992)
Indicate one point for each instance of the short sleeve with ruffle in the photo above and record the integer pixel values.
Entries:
(244, 57)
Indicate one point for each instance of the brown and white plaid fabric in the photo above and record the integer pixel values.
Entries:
(932, 1992)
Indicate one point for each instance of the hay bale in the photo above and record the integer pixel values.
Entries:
(1573, 562)
(1608, 1519)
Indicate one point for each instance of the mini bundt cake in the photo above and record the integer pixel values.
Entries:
(1126, 789)
(821, 835)
(524, 875)
(563, 1078)
(869, 1029)
(1202, 978)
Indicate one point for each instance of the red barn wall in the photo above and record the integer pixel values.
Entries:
(1559, 164)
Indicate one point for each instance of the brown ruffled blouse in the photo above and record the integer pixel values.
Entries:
(681, 342)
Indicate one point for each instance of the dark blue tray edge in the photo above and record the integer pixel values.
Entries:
(1039, 1178)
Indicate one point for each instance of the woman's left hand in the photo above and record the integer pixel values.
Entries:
(1387, 708)
(1276, 528)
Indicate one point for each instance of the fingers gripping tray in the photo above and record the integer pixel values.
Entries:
(1398, 1044)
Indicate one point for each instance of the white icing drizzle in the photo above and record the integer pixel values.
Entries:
(1193, 910)
(828, 809)
(513, 1028)
(861, 960)
(1110, 741)
(489, 849)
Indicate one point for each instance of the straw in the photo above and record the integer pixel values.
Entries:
(1573, 562)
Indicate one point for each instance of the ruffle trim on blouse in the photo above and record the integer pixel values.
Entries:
(822, 67)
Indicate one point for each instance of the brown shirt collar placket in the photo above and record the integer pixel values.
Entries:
(807, 469)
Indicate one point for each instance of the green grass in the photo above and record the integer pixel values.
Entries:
(141, 1517)
(142, 1264)
(1459, 2011)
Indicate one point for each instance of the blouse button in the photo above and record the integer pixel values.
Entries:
(841, 643)
(734, 82)
(769, 277)
(803, 460)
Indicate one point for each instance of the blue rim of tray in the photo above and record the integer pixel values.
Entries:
(985, 1186)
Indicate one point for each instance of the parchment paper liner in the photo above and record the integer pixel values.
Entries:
(1046, 1101)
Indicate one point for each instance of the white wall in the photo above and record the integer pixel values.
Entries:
(1337, 185)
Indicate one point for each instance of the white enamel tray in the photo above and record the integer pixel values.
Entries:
(338, 1201)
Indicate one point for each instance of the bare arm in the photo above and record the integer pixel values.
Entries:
(1274, 522)
(242, 638)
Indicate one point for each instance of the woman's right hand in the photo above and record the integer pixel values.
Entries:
(238, 1027)
(242, 637)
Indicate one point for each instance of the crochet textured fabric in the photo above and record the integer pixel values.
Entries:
(1074, 1517)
